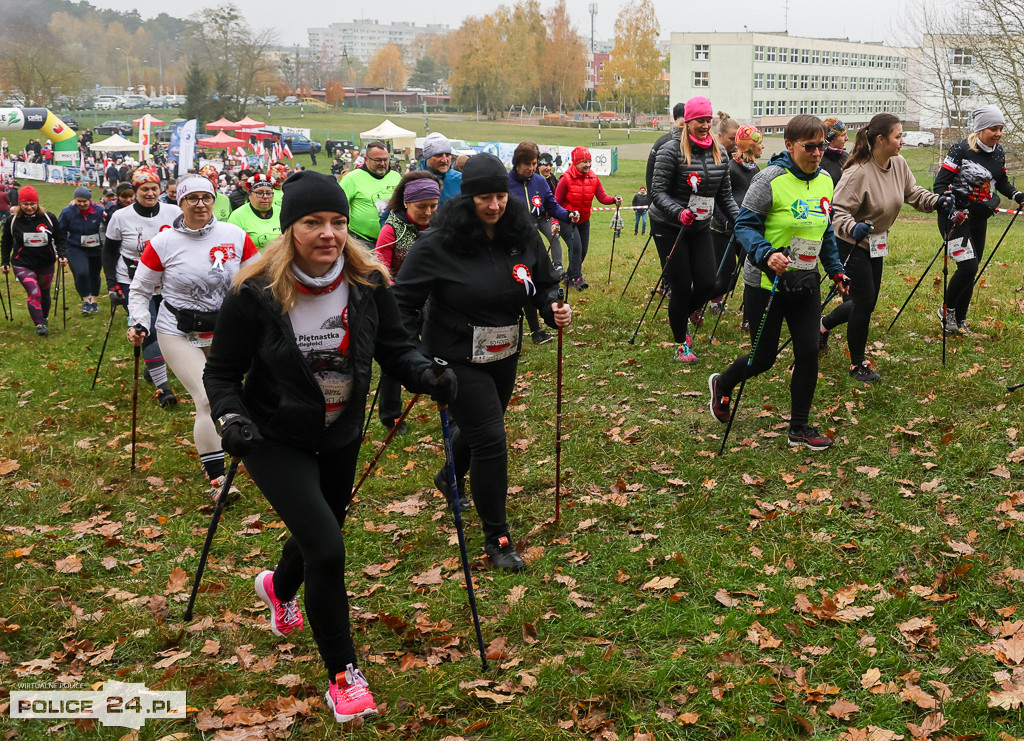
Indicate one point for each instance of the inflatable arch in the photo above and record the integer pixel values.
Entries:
(64, 139)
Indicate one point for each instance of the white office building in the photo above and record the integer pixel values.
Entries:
(361, 38)
(947, 83)
(767, 78)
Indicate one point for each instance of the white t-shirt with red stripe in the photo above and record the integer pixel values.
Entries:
(133, 230)
(194, 269)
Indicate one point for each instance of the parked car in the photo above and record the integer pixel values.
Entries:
(71, 121)
(163, 134)
(109, 128)
(158, 102)
(300, 144)
(106, 102)
(271, 100)
(290, 100)
(175, 101)
(919, 138)
(135, 101)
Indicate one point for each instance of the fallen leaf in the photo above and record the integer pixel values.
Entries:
(70, 565)
(842, 710)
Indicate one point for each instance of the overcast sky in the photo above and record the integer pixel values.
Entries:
(865, 20)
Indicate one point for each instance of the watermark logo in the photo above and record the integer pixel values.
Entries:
(114, 704)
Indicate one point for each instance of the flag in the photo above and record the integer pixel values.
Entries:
(286, 150)
(186, 146)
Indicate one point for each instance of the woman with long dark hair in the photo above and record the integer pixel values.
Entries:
(287, 379)
(876, 183)
(481, 263)
(974, 169)
(691, 180)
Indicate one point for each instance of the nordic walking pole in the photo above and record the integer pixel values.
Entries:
(718, 319)
(913, 290)
(113, 310)
(63, 296)
(661, 278)
(453, 486)
(4, 305)
(637, 264)
(387, 439)
(558, 420)
(750, 362)
(993, 252)
(212, 530)
(700, 319)
(1014, 387)
(615, 235)
(7, 278)
(137, 351)
(945, 283)
(369, 415)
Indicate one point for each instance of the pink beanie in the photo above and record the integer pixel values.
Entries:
(698, 107)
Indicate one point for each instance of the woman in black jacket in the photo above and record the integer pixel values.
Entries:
(302, 327)
(691, 179)
(481, 262)
(835, 157)
(971, 169)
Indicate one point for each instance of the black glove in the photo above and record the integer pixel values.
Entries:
(993, 203)
(117, 296)
(442, 388)
(946, 202)
(861, 229)
(1018, 196)
(239, 436)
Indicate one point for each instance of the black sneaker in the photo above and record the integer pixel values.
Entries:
(504, 556)
(809, 438)
(580, 284)
(42, 330)
(863, 372)
(964, 329)
(403, 428)
(823, 342)
(441, 482)
(540, 337)
(166, 398)
(719, 404)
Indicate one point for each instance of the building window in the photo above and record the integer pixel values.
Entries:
(758, 53)
(888, 84)
(771, 54)
(783, 82)
(863, 83)
(846, 59)
(758, 80)
(770, 81)
(758, 107)
(845, 82)
(835, 59)
(815, 82)
(803, 107)
(861, 108)
(835, 82)
(963, 57)
(814, 108)
(769, 108)
(843, 108)
(782, 108)
(961, 88)
(794, 55)
(815, 57)
(804, 84)
(805, 56)
(826, 58)
(701, 51)
(700, 79)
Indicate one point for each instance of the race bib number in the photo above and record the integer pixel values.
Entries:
(961, 249)
(494, 343)
(878, 245)
(336, 388)
(382, 206)
(90, 240)
(34, 239)
(703, 206)
(804, 253)
(200, 339)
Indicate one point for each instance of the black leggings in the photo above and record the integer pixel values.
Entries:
(801, 315)
(479, 444)
(690, 273)
(309, 492)
(961, 285)
(727, 249)
(865, 273)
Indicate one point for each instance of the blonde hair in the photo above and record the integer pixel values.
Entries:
(972, 141)
(746, 156)
(276, 268)
(687, 149)
(725, 123)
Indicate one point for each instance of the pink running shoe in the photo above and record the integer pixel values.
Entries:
(285, 617)
(349, 697)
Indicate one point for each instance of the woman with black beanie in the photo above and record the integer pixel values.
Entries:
(302, 326)
(476, 269)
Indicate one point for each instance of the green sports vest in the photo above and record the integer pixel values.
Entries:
(800, 209)
(260, 231)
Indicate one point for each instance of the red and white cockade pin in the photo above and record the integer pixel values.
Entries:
(826, 206)
(220, 253)
(693, 180)
(522, 275)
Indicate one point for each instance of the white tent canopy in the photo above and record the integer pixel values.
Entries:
(117, 143)
(402, 138)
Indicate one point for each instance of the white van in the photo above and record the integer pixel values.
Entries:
(919, 139)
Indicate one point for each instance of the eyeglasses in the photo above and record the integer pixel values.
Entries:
(812, 146)
(379, 159)
(264, 192)
(193, 198)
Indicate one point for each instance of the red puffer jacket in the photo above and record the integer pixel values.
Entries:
(576, 192)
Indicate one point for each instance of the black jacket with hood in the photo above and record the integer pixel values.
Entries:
(671, 185)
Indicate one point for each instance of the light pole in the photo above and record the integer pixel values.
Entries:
(593, 12)
(127, 65)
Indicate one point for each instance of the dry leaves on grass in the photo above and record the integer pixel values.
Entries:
(919, 632)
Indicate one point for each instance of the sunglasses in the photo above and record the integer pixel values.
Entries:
(812, 146)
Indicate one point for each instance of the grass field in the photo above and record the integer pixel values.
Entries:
(868, 592)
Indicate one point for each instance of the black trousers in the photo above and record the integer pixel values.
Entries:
(726, 259)
(310, 492)
(961, 285)
(801, 315)
(865, 274)
(690, 273)
(479, 445)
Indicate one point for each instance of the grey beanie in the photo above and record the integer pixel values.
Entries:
(435, 144)
(986, 117)
(82, 192)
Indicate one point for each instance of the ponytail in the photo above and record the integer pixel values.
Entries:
(881, 124)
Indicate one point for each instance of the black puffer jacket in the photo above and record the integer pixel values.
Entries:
(671, 185)
(739, 178)
(832, 162)
(280, 394)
